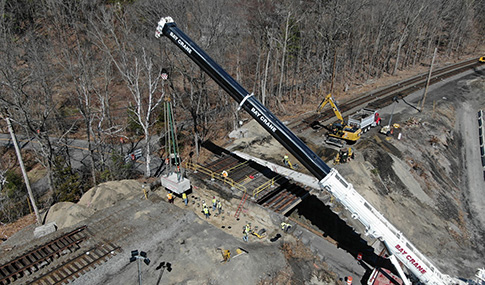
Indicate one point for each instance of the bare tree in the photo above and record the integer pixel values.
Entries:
(136, 67)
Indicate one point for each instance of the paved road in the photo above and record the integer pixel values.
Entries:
(79, 151)
(467, 125)
(475, 173)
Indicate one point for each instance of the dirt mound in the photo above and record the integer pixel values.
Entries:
(66, 214)
(107, 194)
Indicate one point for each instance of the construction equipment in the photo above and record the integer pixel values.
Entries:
(365, 119)
(387, 129)
(339, 129)
(401, 250)
(259, 234)
(481, 59)
(226, 254)
(344, 155)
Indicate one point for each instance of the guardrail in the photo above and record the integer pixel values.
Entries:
(481, 137)
(214, 175)
(266, 185)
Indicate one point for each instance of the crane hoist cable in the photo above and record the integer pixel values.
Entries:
(171, 141)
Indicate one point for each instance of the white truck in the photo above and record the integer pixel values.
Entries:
(365, 119)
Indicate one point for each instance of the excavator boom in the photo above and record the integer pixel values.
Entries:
(329, 99)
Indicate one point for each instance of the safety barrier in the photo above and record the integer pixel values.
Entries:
(214, 175)
(481, 138)
(266, 185)
(236, 166)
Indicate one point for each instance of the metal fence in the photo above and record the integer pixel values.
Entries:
(481, 137)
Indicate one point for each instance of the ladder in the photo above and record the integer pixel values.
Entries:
(241, 204)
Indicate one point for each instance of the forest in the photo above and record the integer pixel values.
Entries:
(91, 70)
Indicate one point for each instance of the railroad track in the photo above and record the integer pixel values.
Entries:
(284, 198)
(383, 97)
(39, 257)
(78, 265)
(28, 266)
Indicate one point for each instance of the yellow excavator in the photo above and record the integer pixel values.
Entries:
(339, 129)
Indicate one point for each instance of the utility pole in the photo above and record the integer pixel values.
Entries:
(429, 78)
(22, 167)
(333, 71)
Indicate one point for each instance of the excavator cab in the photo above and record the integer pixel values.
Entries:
(344, 132)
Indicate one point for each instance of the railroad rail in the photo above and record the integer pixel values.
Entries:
(383, 97)
(78, 265)
(39, 257)
(65, 252)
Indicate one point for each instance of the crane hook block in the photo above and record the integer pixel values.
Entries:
(161, 24)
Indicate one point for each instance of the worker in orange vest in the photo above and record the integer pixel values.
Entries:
(170, 197)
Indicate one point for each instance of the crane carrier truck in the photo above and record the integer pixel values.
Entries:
(398, 246)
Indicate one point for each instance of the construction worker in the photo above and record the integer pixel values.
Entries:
(246, 233)
(170, 197)
(204, 205)
(206, 212)
(286, 159)
(285, 227)
(143, 187)
(351, 154)
(219, 207)
(248, 227)
(184, 197)
(214, 203)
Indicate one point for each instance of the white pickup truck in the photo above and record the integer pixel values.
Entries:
(365, 119)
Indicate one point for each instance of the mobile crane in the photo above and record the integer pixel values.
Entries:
(339, 129)
(399, 248)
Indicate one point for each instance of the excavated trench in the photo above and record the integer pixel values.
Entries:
(313, 212)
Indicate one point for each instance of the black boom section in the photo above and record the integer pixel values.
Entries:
(257, 110)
